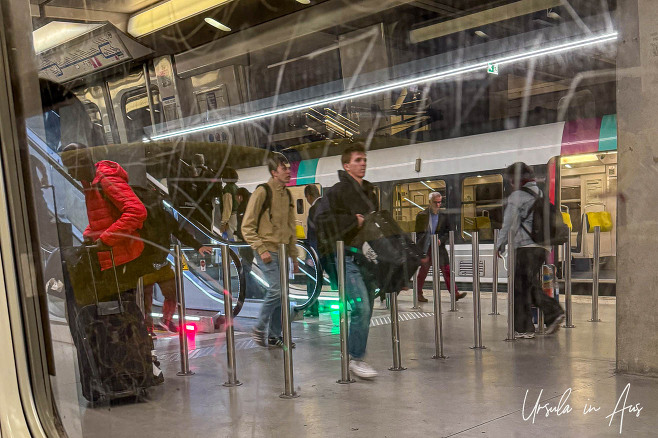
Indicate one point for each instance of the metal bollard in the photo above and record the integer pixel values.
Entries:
(342, 311)
(182, 330)
(395, 334)
(288, 381)
(494, 278)
(414, 281)
(511, 260)
(436, 292)
(228, 320)
(139, 292)
(477, 316)
(567, 284)
(595, 274)
(453, 272)
(540, 322)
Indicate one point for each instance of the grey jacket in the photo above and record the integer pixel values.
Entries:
(518, 207)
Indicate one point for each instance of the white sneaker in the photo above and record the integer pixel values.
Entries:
(361, 369)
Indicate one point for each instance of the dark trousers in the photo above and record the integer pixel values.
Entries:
(528, 290)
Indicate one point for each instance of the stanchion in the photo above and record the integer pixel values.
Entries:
(288, 381)
(414, 281)
(342, 311)
(395, 334)
(566, 270)
(540, 322)
(182, 329)
(494, 278)
(436, 292)
(228, 320)
(453, 272)
(511, 260)
(477, 316)
(595, 274)
(139, 294)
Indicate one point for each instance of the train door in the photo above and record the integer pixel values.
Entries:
(98, 107)
(301, 206)
(134, 117)
(219, 94)
(588, 184)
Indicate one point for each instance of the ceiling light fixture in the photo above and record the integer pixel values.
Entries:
(481, 34)
(217, 24)
(166, 13)
(459, 71)
(553, 15)
(304, 2)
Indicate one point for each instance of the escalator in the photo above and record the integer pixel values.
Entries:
(63, 199)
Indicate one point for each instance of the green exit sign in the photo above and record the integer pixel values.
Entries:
(492, 68)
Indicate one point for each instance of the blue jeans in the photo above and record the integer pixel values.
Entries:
(270, 312)
(361, 302)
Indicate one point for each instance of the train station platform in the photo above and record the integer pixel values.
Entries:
(472, 393)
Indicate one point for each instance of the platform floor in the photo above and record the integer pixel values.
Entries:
(471, 393)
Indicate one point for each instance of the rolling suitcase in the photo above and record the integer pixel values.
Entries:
(114, 347)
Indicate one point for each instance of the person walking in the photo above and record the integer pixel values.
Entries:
(269, 220)
(428, 222)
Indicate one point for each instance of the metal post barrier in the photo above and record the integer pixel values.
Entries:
(436, 292)
(139, 292)
(182, 330)
(494, 277)
(477, 317)
(228, 320)
(342, 311)
(395, 334)
(289, 384)
(566, 271)
(595, 274)
(511, 260)
(414, 281)
(540, 322)
(453, 273)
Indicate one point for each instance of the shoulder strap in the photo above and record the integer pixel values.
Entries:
(267, 203)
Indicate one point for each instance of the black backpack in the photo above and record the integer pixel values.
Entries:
(548, 228)
(267, 204)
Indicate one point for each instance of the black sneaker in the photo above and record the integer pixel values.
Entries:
(555, 325)
(259, 337)
(278, 342)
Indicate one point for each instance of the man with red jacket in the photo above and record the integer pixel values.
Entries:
(115, 213)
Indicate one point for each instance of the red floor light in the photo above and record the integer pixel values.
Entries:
(190, 327)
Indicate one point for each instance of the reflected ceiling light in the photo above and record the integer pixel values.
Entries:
(574, 159)
(58, 32)
(217, 24)
(168, 13)
(412, 202)
(304, 2)
(423, 183)
(459, 71)
(481, 34)
(568, 166)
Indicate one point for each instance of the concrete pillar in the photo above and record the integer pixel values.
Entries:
(637, 239)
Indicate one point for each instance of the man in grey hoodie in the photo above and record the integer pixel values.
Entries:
(530, 256)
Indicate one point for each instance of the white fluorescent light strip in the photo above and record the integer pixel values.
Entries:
(399, 84)
(425, 184)
(412, 202)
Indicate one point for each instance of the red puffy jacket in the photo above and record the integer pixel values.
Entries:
(115, 214)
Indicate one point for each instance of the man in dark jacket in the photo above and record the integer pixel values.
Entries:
(429, 222)
(348, 201)
(312, 195)
(154, 259)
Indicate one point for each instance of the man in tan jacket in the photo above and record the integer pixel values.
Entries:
(269, 221)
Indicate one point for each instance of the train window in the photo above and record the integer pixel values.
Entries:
(412, 198)
(482, 205)
(137, 113)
